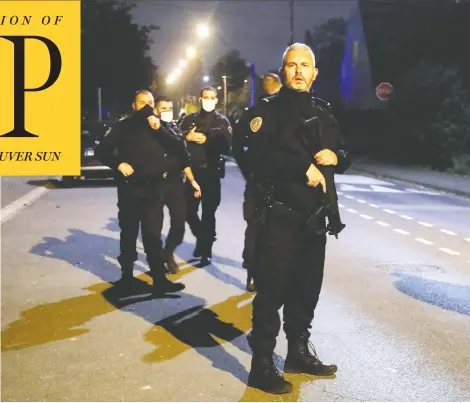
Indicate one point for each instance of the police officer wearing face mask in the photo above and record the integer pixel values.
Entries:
(208, 136)
(176, 200)
(139, 149)
(294, 151)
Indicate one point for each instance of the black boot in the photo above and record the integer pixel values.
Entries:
(169, 258)
(127, 274)
(161, 285)
(300, 360)
(197, 250)
(265, 376)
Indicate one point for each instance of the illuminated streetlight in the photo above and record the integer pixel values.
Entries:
(219, 87)
(205, 79)
(203, 30)
(246, 81)
(191, 52)
(178, 71)
(170, 79)
(183, 63)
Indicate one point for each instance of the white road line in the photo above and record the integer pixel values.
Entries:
(352, 210)
(445, 231)
(349, 197)
(367, 217)
(8, 212)
(374, 205)
(339, 193)
(400, 231)
(424, 241)
(389, 211)
(383, 224)
(340, 205)
(361, 201)
(406, 217)
(467, 239)
(425, 224)
(449, 251)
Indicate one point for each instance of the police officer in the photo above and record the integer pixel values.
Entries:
(176, 199)
(208, 136)
(138, 148)
(295, 149)
(271, 85)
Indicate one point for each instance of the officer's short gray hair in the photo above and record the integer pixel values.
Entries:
(297, 46)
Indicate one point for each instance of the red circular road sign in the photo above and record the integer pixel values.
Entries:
(383, 91)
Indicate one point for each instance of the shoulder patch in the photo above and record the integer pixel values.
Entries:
(108, 131)
(229, 128)
(255, 124)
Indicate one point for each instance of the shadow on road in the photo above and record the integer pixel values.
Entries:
(451, 297)
(176, 327)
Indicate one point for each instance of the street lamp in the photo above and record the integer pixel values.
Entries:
(170, 79)
(191, 52)
(205, 79)
(203, 30)
(177, 71)
(183, 63)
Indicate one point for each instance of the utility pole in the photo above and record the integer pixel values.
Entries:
(225, 94)
(291, 22)
(99, 104)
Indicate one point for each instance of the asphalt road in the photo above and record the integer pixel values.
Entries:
(393, 314)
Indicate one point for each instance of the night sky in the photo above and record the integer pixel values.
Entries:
(259, 29)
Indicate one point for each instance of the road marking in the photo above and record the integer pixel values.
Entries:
(8, 212)
(339, 193)
(352, 210)
(406, 217)
(449, 251)
(361, 201)
(349, 197)
(367, 217)
(467, 239)
(400, 231)
(424, 241)
(425, 224)
(383, 224)
(340, 205)
(445, 231)
(374, 205)
(389, 211)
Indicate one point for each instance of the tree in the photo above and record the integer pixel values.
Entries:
(432, 111)
(114, 56)
(327, 43)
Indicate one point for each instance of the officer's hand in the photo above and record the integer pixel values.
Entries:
(191, 135)
(125, 169)
(197, 189)
(315, 177)
(326, 157)
(200, 138)
(154, 122)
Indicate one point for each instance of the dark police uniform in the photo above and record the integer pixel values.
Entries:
(157, 158)
(208, 165)
(176, 200)
(290, 246)
(241, 140)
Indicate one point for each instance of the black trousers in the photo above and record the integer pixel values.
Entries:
(203, 228)
(142, 204)
(289, 273)
(249, 205)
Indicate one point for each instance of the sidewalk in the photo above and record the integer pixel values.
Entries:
(441, 181)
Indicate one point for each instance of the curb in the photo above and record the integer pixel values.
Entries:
(433, 187)
(9, 211)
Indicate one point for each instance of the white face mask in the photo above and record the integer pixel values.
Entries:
(167, 116)
(208, 104)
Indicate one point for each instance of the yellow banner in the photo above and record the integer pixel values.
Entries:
(40, 88)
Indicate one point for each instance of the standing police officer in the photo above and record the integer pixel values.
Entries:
(140, 150)
(271, 85)
(208, 135)
(176, 200)
(295, 149)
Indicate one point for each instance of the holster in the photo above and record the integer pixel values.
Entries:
(221, 166)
